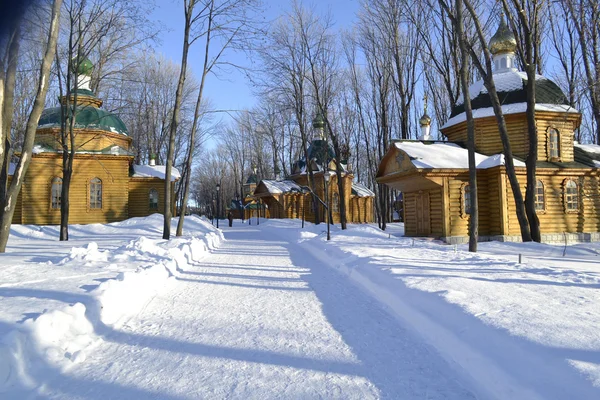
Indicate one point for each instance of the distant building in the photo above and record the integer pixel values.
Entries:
(288, 198)
(434, 178)
(106, 185)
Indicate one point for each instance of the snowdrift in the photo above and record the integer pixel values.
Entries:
(61, 338)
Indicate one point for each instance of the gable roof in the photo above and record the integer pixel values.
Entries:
(438, 155)
(154, 171)
(360, 190)
(588, 154)
(273, 186)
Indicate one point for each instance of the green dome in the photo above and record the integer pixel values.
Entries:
(85, 67)
(318, 122)
(321, 151)
(87, 117)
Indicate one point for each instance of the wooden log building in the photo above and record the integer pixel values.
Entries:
(289, 198)
(434, 177)
(106, 184)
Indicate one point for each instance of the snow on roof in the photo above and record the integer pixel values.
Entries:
(593, 151)
(507, 81)
(286, 186)
(588, 148)
(447, 155)
(360, 190)
(154, 171)
(506, 110)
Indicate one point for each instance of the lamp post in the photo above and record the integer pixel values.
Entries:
(326, 178)
(218, 203)
(255, 170)
(212, 209)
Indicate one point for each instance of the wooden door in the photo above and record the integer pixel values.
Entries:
(423, 215)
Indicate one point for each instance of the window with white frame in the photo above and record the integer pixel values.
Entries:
(571, 198)
(55, 193)
(96, 193)
(540, 199)
(553, 144)
(466, 199)
(153, 199)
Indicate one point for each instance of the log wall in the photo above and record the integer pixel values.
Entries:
(113, 171)
(555, 218)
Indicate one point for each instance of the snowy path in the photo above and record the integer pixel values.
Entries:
(260, 318)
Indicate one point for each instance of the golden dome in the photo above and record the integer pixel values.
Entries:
(503, 40)
(425, 120)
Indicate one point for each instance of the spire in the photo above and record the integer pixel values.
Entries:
(503, 46)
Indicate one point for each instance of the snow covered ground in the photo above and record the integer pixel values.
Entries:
(276, 311)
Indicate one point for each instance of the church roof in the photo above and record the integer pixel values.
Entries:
(360, 190)
(321, 151)
(86, 117)
(251, 179)
(510, 85)
(440, 155)
(154, 171)
(588, 154)
(277, 187)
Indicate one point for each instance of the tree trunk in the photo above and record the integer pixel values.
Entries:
(190, 155)
(8, 107)
(464, 82)
(188, 10)
(6, 213)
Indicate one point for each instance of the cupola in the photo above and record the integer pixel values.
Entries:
(319, 125)
(425, 122)
(503, 46)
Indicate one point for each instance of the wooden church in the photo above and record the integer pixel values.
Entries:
(106, 185)
(288, 198)
(434, 178)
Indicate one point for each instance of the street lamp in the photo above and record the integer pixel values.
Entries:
(254, 169)
(218, 203)
(326, 178)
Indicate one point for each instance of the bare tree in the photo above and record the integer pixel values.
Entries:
(223, 24)
(585, 16)
(190, 16)
(8, 60)
(526, 27)
(464, 81)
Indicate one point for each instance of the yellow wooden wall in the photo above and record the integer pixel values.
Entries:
(487, 136)
(113, 171)
(361, 209)
(554, 219)
(139, 196)
(85, 140)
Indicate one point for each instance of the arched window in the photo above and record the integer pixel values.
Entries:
(466, 199)
(153, 199)
(571, 195)
(553, 144)
(95, 193)
(540, 200)
(55, 193)
(335, 207)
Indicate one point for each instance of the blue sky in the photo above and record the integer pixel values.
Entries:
(232, 91)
